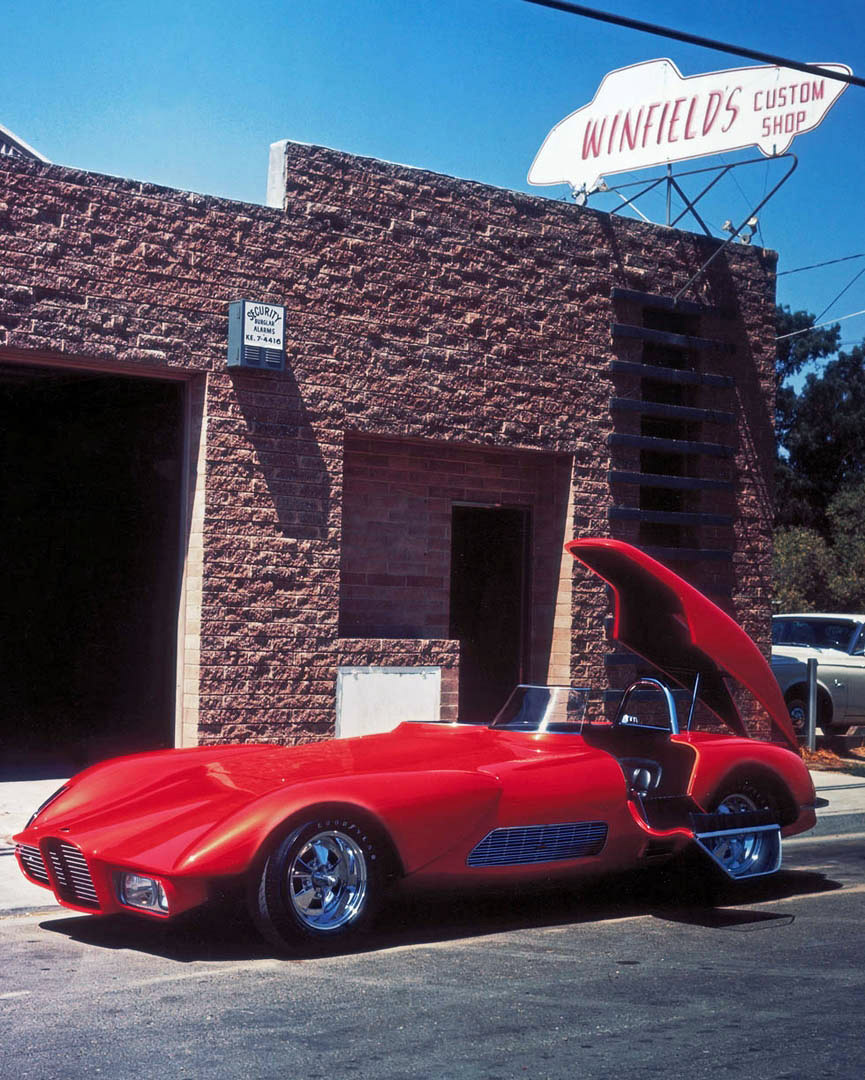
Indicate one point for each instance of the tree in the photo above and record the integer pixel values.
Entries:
(812, 574)
(803, 570)
(846, 516)
(823, 435)
(793, 353)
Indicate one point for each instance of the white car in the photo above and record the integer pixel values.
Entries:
(837, 643)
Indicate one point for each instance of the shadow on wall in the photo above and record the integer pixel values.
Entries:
(287, 454)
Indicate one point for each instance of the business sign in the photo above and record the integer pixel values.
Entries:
(256, 335)
(649, 114)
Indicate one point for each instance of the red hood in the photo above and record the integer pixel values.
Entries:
(681, 632)
(155, 810)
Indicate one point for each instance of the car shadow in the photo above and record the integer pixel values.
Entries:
(223, 931)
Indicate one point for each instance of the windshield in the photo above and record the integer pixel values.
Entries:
(814, 633)
(544, 708)
(568, 710)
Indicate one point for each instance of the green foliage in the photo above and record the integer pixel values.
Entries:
(812, 574)
(846, 515)
(820, 472)
(803, 570)
(822, 430)
(793, 353)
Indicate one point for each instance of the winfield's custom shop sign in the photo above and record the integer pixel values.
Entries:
(649, 114)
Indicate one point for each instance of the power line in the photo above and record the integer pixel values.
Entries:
(840, 294)
(693, 39)
(818, 326)
(816, 266)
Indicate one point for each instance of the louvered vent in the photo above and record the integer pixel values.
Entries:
(539, 844)
(34, 864)
(72, 874)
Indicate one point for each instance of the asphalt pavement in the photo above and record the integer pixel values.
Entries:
(845, 814)
(639, 977)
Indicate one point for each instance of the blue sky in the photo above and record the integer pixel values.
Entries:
(191, 95)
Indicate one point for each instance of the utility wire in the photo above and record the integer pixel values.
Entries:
(818, 326)
(816, 266)
(840, 294)
(693, 39)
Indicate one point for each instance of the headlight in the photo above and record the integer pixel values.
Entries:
(49, 800)
(143, 892)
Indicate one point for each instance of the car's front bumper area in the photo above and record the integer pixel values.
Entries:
(88, 884)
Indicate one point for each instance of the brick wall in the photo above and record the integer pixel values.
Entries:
(419, 308)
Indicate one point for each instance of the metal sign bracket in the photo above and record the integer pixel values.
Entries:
(671, 180)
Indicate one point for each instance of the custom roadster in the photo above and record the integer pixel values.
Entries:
(561, 783)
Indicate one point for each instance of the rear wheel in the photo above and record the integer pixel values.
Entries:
(798, 709)
(319, 886)
(738, 853)
(797, 706)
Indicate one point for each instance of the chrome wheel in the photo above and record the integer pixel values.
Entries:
(320, 883)
(798, 716)
(327, 881)
(737, 853)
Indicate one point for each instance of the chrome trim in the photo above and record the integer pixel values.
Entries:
(34, 864)
(525, 844)
(668, 697)
(72, 874)
(693, 701)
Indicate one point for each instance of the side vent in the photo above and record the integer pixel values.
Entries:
(539, 844)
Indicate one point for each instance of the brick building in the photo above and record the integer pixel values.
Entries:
(472, 377)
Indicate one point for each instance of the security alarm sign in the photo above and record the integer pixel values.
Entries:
(256, 335)
(263, 325)
(649, 114)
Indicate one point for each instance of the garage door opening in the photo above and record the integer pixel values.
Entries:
(489, 559)
(90, 532)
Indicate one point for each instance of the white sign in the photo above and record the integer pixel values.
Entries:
(648, 114)
(263, 325)
(13, 147)
(370, 700)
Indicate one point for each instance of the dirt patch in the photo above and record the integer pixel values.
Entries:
(831, 760)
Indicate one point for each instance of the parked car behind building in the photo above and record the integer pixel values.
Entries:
(837, 643)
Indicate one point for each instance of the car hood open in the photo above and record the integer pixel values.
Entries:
(681, 632)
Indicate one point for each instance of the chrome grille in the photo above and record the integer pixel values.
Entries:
(34, 864)
(539, 843)
(72, 874)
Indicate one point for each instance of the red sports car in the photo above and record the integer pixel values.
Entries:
(559, 784)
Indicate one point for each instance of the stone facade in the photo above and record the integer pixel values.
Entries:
(446, 342)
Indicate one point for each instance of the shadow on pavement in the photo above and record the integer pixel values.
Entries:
(223, 931)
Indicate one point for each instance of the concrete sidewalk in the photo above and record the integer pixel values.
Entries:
(18, 799)
(846, 810)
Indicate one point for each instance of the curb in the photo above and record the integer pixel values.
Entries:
(836, 825)
(37, 911)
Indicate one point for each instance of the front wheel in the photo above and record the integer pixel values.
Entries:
(320, 885)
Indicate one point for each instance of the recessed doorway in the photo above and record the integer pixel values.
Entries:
(488, 605)
(90, 531)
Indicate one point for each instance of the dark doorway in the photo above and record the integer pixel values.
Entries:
(489, 557)
(90, 490)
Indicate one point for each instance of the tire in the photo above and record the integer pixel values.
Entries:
(736, 853)
(319, 887)
(798, 709)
